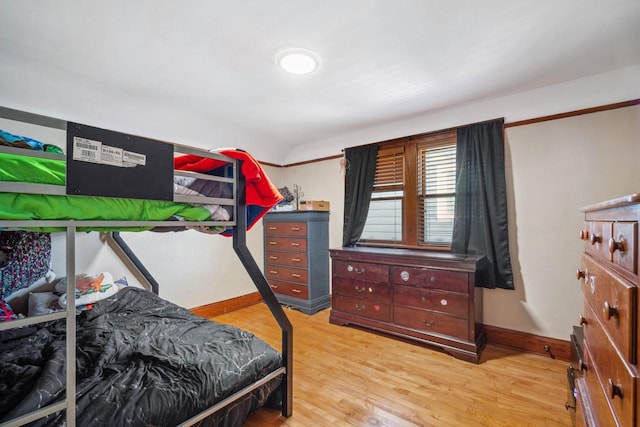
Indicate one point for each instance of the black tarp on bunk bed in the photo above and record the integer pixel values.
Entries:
(170, 347)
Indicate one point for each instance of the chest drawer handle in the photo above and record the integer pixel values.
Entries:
(616, 246)
(595, 239)
(296, 259)
(584, 234)
(295, 244)
(428, 323)
(273, 243)
(614, 389)
(609, 310)
(360, 307)
(580, 274)
(582, 320)
(360, 289)
(273, 271)
(273, 257)
(295, 228)
(273, 228)
(295, 275)
(296, 291)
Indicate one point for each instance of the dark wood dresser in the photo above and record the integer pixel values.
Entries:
(608, 392)
(296, 258)
(429, 297)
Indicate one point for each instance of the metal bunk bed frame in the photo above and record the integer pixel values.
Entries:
(238, 225)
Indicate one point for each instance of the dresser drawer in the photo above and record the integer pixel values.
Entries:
(290, 289)
(286, 244)
(431, 322)
(446, 302)
(286, 273)
(597, 239)
(287, 258)
(623, 244)
(453, 281)
(377, 292)
(597, 409)
(286, 229)
(615, 376)
(361, 271)
(613, 301)
(373, 310)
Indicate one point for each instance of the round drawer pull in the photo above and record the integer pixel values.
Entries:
(595, 239)
(614, 389)
(580, 274)
(609, 311)
(404, 275)
(616, 246)
(582, 320)
(584, 234)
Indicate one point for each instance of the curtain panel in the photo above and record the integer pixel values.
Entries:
(480, 222)
(360, 175)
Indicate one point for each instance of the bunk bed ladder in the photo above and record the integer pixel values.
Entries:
(250, 265)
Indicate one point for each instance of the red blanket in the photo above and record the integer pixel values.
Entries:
(261, 193)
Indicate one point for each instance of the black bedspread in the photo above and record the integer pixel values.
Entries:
(140, 361)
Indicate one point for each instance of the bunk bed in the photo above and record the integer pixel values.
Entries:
(134, 358)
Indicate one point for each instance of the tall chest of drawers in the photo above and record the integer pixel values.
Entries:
(608, 392)
(422, 296)
(296, 258)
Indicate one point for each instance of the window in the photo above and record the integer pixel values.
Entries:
(384, 221)
(414, 193)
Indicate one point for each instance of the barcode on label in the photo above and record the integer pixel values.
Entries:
(85, 145)
(90, 153)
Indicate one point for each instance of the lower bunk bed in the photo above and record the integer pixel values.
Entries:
(140, 361)
(134, 359)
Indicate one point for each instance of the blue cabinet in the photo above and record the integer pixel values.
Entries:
(296, 258)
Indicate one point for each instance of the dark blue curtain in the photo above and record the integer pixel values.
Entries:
(480, 224)
(358, 187)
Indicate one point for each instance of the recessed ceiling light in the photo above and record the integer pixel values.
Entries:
(297, 60)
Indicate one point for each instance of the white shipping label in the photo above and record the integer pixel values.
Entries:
(111, 156)
(86, 150)
(134, 158)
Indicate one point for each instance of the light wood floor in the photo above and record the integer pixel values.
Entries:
(344, 376)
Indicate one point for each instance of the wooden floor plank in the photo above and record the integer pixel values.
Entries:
(346, 376)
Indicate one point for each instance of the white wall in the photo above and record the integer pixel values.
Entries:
(601, 89)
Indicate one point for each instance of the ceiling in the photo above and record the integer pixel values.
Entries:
(202, 72)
